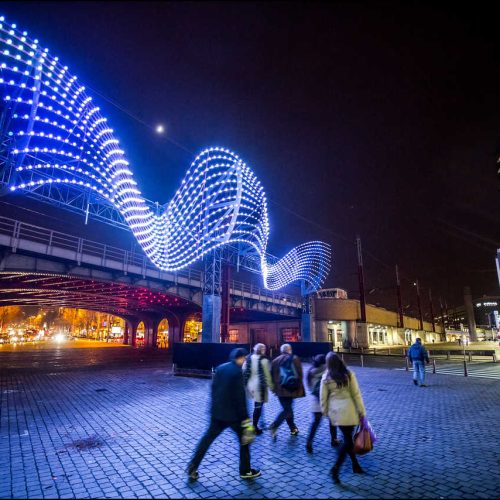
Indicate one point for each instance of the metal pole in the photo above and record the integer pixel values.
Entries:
(420, 317)
(433, 366)
(361, 280)
(362, 363)
(400, 300)
(432, 311)
(442, 318)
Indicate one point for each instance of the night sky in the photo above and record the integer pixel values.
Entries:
(381, 119)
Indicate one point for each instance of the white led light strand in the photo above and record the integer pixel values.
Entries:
(57, 135)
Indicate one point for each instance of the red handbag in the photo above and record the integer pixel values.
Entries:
(362, 440)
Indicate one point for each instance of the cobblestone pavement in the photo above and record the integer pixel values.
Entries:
(127, 431)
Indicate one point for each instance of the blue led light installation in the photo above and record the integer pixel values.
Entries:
(58, 135)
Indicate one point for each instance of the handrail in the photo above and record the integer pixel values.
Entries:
(23, 230)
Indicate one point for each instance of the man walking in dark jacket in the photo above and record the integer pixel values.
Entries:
(228, 409)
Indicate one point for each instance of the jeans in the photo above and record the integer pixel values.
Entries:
(216, 427)
(419, 371)
(314, 427)
(347, 447)
(285, 414)
(257, 412)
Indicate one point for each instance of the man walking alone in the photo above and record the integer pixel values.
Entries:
(417, 354)
(286, 372)
(228, 409)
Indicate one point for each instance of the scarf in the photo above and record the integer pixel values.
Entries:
(262, 378)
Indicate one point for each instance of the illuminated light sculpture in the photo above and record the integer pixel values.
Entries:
(56, 135)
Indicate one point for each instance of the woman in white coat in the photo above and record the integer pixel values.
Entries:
(257, 376)
(342, 403)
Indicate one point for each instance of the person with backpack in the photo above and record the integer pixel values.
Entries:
(313, 379)
(257, 376)
(417, 355)
(286, 373)
(342, 403)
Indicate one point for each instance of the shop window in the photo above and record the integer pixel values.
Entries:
(192, 330)
(233, 336)
(290, 334)
(162, 339)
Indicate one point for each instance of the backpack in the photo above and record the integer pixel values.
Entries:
(316, 388)
(288, 375)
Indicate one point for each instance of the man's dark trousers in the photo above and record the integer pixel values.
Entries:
(216, 427)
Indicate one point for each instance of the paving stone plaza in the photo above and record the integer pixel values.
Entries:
(128, 431)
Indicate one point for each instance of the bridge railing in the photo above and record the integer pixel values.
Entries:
(17, 230)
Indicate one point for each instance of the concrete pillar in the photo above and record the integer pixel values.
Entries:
(469, 310)
(321, 331)
(151, 332)
(362, 335)
(126, 334)
(351, 331)
(305, 327)
(131, 325)
(211, 314)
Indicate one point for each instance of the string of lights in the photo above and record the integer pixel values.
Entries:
(56, 135)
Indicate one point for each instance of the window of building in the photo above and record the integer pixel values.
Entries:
(233, 336)
(290, 334)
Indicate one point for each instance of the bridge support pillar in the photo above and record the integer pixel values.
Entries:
(151, 332)
(130, 334)
(306, 327)
(210, 318)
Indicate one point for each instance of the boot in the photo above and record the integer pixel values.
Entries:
(335, 474)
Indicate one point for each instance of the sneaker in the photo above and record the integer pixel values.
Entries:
(274, 432)
(294, 432)
(415, 382)
(251, 474)
(192, 474)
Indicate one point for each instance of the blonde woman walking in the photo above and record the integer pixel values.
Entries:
(257, 376)
(342, 403)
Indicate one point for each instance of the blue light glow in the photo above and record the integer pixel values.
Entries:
(59, 136)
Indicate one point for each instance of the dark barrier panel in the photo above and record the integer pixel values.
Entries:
(202, 356)
(310, 349)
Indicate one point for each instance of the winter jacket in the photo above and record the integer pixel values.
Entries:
(418, 352)
(228, 394)
(342, 405)
(313, 377)
(275, 374)
(255, 386)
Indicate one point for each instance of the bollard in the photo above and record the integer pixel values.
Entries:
(349, 350)
(173, 367)
(494, 357)
(362, 365)
(465, 369)
(338, 348)
(213, 372)
(389, 351)
(342, 356)
(407, 364)
(470, 356)
(361, 350)
(448, 355)
(433, 366)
